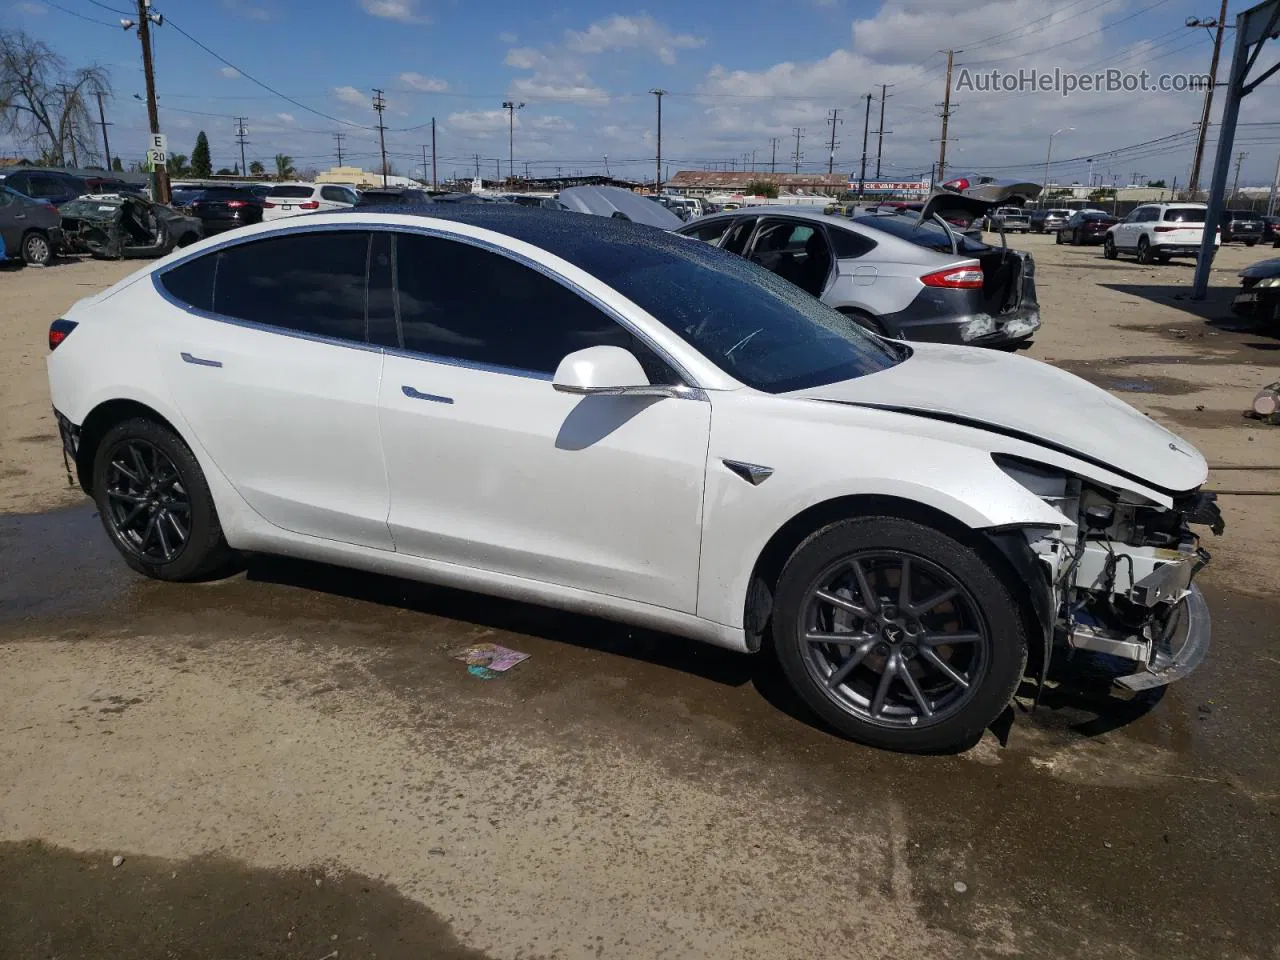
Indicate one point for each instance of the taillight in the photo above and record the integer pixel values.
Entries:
(59, 330)
(269, 204)
(236, 204)
(309, 205)
(956, 185)
(956, 278)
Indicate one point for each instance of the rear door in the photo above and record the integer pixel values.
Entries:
(795, 250)
(267, 356)
(13, 220)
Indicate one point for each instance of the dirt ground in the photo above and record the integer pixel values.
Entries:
(291, 765)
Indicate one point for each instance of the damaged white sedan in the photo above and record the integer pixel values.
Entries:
(600, 416)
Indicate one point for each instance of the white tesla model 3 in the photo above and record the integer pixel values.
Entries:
(608, 418)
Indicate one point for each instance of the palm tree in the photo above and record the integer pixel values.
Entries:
(284, 166)
(178, 164)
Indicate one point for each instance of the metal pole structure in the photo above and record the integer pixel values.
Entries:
(433, 154)
(424, 161)
(1275, 187)
(657, 171)
(102, 119)
(946, 115)
(866, 126)
(880, 133)
(161, 174)
(1047, 157)
(834, 119)
(1193, 184)
(511, 107)
(773, 163)
(1235, 187)
(380, 104)
(240, 139)
(338, 138)
(799, 133)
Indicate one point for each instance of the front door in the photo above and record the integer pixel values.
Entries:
(278, 382)
(490, 467)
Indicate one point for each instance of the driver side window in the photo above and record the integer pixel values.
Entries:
(463, 303)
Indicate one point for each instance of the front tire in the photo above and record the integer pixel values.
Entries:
(37, 249)
(155, 504)
(1109, 248)
(897, 635)
(1250, 243)
(1057, 238)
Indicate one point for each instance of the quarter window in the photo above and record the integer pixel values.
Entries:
(849, 244)
(308, 282)
(191, 283)
(461, 302)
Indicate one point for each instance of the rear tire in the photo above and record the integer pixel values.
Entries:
(37, 249)
(1144, 250)
(845, 580)
(1109, 248)
(866, 321)
(1250, 243)
(1057, 238)
(155, 503)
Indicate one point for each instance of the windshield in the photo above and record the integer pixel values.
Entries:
(753, 325)
(929, 234)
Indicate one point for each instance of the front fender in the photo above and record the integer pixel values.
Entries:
(824, 452)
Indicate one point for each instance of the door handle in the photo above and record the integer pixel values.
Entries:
(19, 216)
(413, 394)
(200, 361)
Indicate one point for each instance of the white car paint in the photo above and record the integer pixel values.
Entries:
(505, 491)
(321, 198)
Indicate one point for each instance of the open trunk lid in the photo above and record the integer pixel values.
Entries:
(966, 199)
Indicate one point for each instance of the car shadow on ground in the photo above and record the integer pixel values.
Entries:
(1079, 699)
(1215, 306)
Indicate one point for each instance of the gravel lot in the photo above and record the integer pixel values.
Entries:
(290, 764)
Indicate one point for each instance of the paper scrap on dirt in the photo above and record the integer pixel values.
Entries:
(485, 659)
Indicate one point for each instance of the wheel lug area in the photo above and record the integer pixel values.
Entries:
(907, 651)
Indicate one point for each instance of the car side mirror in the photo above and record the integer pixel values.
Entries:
(611, 371)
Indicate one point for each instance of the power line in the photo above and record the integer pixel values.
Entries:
(123, 13)
(1063, 43)
(81, 16)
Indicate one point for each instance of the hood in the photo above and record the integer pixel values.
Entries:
(965, 199)
(1262, 269)
(617, 202)
(1033, 401)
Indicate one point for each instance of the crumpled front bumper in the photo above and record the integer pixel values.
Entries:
(1183, 649)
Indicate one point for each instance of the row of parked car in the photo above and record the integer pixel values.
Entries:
(1084, 226)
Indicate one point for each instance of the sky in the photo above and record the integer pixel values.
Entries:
(739, 77)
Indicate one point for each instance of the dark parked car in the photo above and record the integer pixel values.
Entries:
(1271, 231)
(1242, 225)
(381, 196)
(225, 208)
(1086, 227)
(1259, 295)
(1047, 221)
(115, 227)
(55, 186)
(31, 228)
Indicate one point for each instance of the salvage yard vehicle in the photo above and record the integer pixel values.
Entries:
(608, 418)
(225, 208)
(1086, 227)
(1259, 295)
(1048, 221)
(893, 273)
(1241, 225)
(1008, 219)
(1155, 232)
(116, 227)
(51, 185)
(31, 229)
(292, 199)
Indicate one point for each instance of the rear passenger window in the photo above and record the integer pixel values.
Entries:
(308, 282)
(460, 302)
(191, 283)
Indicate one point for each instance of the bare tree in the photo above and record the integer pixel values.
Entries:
(45, 103)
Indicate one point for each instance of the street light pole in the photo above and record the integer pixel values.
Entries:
(511, 107)
(657, 173)
(1047, 158)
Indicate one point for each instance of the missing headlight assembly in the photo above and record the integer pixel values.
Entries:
(1121, 571)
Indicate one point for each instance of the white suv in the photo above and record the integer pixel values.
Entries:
(291, 199)
(1154, 232)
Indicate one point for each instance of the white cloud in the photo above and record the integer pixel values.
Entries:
(478, 122)
(405, 11)
(350, 95)
(525, 58)
(285, 118)
(32, 9)
(550, 86)
(229, 72)
(247, 10)
(631, 33)
(417, 81)
(553, 124)
(508, 38)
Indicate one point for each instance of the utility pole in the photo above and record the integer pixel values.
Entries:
(380, 104)
(102, 119)
(657, 179)
(424, 161)
(1235, 187)
(433, 154)
(753, 160)
(1193, 182)
(143, 23)
(338, 137)
(511, 107)
(1275, 187)
(799, 131)
(946, 116)
(242, 134)
(866, 126)
(477, 166)
(880, 133)
(833, 121)
(773, 163)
